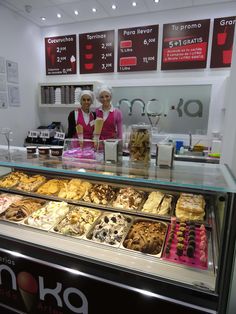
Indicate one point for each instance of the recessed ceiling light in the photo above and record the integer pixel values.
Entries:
(59, 15)
(156, 1)
(76, 12)
(94, 10)
(134, 4)
(43, 18)
(113, 7)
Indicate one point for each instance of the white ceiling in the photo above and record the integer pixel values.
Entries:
(50, 8)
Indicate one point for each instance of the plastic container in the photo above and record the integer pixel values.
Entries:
(57, 151)
(140, 143)
(31, 149)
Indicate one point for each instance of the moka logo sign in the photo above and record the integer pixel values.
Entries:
(32, 290)
(187, 108)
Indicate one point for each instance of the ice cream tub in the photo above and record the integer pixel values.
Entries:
(109, 229)
(22, 208)
(129, 198)
(48, 216)
(44, 150)
(57, 151)
(77, 222)
(31, 149)
(146, 236)
(158, 204)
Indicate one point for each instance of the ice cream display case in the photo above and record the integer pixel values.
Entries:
(159, 239)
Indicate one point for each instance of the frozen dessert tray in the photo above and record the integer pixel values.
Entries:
(187, 245)
(21, 209)
(146, 236)
(109, 229)
(77, 222)
(159, 204)
(47, 216)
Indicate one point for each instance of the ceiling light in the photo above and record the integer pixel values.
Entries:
(59, 15)
(134, 4)
(156, 1)
(113, 7)
(43, 18)
(94, 9)
(76, 12)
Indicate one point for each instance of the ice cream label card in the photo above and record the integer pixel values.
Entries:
(185, 45)
(222, 42)
(60, 55)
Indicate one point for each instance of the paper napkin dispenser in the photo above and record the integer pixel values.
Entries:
(165, 155)
(112, 151)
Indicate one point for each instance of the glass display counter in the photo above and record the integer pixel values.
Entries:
(190, 270)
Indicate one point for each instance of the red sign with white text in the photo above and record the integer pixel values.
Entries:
(185, 45)
(222, 42)
(60, 55)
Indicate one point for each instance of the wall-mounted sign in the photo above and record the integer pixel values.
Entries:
(185, 45)
(137, 48)
(222, 42)
(96, 52)
(60, 55)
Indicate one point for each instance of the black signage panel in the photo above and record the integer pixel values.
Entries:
(33, 286)
(137, 48)
(60, 55)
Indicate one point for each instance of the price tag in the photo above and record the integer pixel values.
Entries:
(33, 134)
(44, 134)
(59, 135)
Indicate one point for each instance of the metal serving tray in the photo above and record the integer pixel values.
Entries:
(89, 234)
(21, 220)
(138, 209)
(54, 223)
(170, 211)
(140, 238)
(79, 209)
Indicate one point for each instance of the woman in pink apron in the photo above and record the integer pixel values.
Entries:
(112, 117)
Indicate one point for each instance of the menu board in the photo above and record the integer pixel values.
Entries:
(96, 52)
(60, 55)
(185, 45)
(222, 42)
(137, 48)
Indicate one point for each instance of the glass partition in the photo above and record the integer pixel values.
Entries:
(176, 109)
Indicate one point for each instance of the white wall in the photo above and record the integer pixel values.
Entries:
(20, 41)
(216, 77)
(229, 136)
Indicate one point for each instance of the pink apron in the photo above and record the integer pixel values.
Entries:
(87, 128)
(109, 128)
